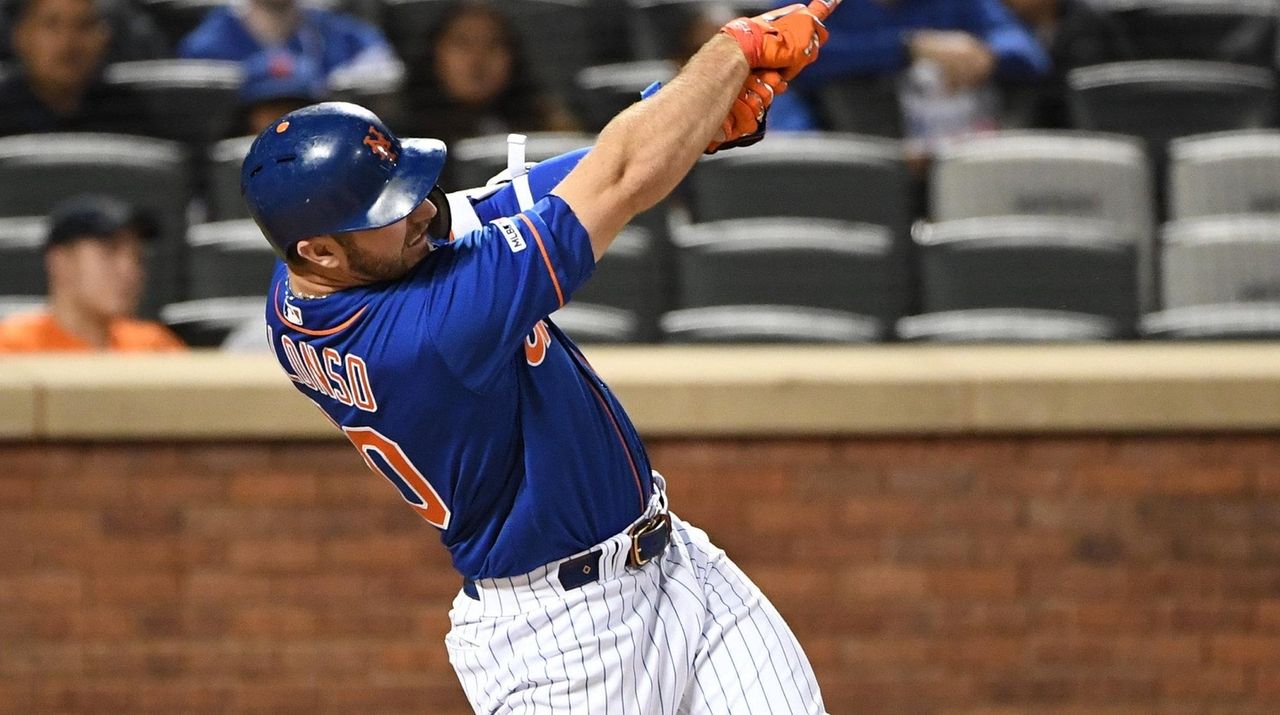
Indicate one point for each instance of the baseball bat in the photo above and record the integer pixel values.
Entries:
(822, 9)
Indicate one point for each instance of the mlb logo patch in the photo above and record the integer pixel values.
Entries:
(512, 234)
(293, 313)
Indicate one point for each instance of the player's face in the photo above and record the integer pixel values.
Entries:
(473, 60)
(61, 42)
(387, 253)
(101, 276)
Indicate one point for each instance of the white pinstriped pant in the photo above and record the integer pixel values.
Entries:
(687, 634)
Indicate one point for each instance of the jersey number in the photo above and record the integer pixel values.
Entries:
(392, 463)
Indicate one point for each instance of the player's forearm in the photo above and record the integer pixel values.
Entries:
(656, 142)
(648, 149)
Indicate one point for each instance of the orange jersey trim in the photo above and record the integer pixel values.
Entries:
(545, 258)
(275, 305)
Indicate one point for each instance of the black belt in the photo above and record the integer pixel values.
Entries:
(649, 539)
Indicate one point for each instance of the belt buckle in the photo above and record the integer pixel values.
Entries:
(652, 525)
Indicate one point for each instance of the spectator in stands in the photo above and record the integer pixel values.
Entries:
(1075, 35)
(93, 257)
(946, 51)
(970, 40)
(60, 46)
(474, 79)
(277, 82)
(134, 35)
(344, 47)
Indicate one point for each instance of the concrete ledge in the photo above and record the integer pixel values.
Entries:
(18, 417)
(707, 391)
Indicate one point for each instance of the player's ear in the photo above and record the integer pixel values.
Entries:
(322, 251)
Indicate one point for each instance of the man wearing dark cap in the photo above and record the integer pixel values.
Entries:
(93, 258)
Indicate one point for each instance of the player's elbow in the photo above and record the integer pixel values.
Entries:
(635, 173)
(632, 194)
(639, 184)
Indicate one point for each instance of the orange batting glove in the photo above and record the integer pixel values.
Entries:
(787, 39)
(745, 124)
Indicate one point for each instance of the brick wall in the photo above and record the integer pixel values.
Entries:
(957, 577)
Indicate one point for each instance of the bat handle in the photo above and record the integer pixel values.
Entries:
(822, 9)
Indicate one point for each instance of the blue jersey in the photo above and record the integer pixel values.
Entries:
(454, 385)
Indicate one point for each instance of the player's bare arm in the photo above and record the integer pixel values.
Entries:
(646, 150)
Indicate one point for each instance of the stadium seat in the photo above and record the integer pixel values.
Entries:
(37, 171)
(1065, 174)
(206, 323)
(477, 160)
(1226, 173)
(228, 259)
(1221, 279)
(383, 95)
(658, 26)
(407, 22)
(611, 31)
(823, 176)
(606, 90)
(629, 278)
(569, 22)
(192, 101)
(1159, 101)
(22, 255)
(1024, 278)
(222, 182)
(1241, 31)
(862, 105)
(768, 324)
(1044, 174)
(838, 268)
(589, 323)
(14, 304)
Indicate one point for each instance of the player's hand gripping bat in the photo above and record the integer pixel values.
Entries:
(778, 45)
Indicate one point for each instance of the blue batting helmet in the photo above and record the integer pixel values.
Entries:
(334, 167)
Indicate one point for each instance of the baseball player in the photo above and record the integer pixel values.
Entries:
(424, 337)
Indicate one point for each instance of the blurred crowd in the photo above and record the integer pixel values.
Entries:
(464, 68)
(928, 72)
(467, 73)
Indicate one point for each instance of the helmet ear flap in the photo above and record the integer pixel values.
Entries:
(440, 230)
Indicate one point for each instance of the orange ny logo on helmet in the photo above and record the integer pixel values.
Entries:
(379, 144)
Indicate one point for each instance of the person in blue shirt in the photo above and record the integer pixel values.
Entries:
(972, 40)
(884, 54)
(427, 340)
(337, 43)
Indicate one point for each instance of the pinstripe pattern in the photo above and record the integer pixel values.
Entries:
(688, 634)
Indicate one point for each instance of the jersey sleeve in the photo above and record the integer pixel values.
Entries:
(543, 177)
(492, 286)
